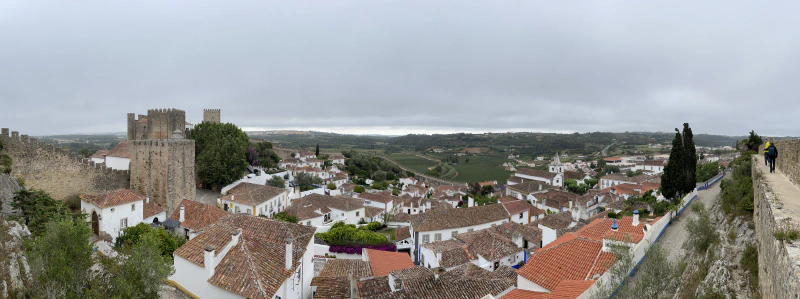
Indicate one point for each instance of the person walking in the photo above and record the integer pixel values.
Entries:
(766, 158)
(772, 152)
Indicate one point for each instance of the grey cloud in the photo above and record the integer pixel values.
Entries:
(724, 66)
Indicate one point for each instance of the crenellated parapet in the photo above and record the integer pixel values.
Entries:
(57, 170)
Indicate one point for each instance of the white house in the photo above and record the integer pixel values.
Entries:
(443, 225)
(336, 159)
(255, 200)
(656, 166)
(243, 256)
(491, 248)
(554, 179)
(100, 156)
(408, 181)
(112, 212)
(380, 200)
(320, 210)
(192, 217)
(120, 157)
(550, 225)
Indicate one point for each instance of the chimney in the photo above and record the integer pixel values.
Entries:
(614, 226)
(147, 199)
(289, 253)
(635, 218)
(182, 214)
(471, 202)
(208, 260)
(428, 204)
(353, 289)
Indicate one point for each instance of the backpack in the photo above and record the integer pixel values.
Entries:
(771, 152)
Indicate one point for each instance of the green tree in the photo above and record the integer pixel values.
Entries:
(331, 186)
(276, 181)
(466, 160)
(138, 274)
(679, 174)
(316, 153)
(220, 151)
(283, 216)
(60, 259)
(306, 181)
(359, 189)
(703, 233)
(167, 242)
(574, 187)
(753, 141)
(591, 182)
(37, 208)
(5, 163)
(84, 152)
(379, 176)
(690, 159)
(261, 154)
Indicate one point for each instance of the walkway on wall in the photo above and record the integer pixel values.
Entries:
(788, 193)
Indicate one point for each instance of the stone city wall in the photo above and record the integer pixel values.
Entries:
(788, 161)
(778, 262)
(57, 171)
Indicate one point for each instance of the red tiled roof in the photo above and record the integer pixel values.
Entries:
(457, 218)
(568, 258)
(331, 287)
(346, 268)
(101, 154)
(197, 215)
(601, 228)
(505, 199)
(121, 150)
(524, 294)
(632, 188)
(252, 194)
(249, 269)
(571, 289)
(383, 262)
(112, 198)
(152, 209)
(516, 207)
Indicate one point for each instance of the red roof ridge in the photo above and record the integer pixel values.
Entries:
(594, 264)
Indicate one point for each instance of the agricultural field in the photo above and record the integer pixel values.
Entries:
(412, 161)
(480, 168)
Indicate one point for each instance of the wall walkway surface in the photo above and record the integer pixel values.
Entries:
(777, 205)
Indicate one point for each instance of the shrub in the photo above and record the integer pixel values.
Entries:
(359, 189)
(357, 249)
(612, 214)
(749, 262)
(702, 233)
(786, 232)
(167, 242)
(283, 216)
(374, 226)
(349, 234)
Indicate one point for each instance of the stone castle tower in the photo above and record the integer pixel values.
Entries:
(164, 169)
(157, 124)
(162, 159)
(211, 115)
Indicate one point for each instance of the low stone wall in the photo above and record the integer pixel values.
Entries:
(788, 161)
(778, 262)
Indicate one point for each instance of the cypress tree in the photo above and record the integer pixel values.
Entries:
(689, 158)
(673, 177)
(317, 152)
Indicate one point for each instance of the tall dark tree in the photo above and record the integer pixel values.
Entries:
(671, 180)
(317, 151)
(690, 159)
(680, 173)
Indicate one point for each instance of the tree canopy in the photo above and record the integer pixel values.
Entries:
(220, 151)
(261, 154)
(306, 181)
(276, 181)
(167, 242)
(679, 174)
(37, 208)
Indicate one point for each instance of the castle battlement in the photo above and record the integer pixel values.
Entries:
(56, 170)
(211, 115)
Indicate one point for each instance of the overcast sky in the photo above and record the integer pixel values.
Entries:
(390, 67)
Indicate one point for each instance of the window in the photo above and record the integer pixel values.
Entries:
(469, 230)
(133, 207)
(356, 214)
(237, 209)
(437, 237)
(123, 223)
(426, 238)
(455, 233)
(248, 211)
(520, 215)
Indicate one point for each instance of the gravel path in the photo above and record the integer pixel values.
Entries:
(672, 240)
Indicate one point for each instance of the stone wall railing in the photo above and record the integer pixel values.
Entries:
(788, 161)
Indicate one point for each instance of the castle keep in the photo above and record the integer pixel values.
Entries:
(164, 169)
(211, 115)
(157, 124)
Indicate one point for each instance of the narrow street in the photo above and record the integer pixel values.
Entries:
(673, 238)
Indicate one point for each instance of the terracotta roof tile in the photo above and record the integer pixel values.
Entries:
(470, 271)
(112, 198)
(516, 207)
(453, 252)
(570, 289)
(152, 209)
(249, 268)
(569, 258)
(461, 289)
(536, 173)
(372, 286)
(372, 211)
(307, 207)
(525, 294)
(100, 154)
(252, 194)
(197, 216)
(383, 262)
(556, 221)
(331, 287)
(121, 150)
(457, 218)
(402, 233)
(601, 228)
(346, 268)
(413, 273)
